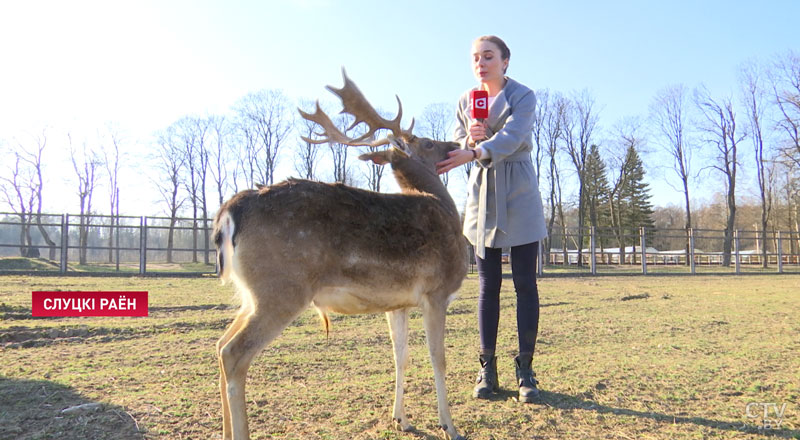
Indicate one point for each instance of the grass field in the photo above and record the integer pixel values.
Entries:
(657, 357)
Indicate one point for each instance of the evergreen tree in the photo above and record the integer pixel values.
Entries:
(637, 211)
(629, 203)
(597, 191)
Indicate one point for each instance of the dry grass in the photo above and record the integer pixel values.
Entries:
(618, 358)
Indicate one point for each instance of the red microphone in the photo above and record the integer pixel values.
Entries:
(480, 104)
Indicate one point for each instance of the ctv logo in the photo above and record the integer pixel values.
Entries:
(768, 414)
(481, 103)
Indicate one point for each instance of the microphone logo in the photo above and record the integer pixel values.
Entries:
(480, 104)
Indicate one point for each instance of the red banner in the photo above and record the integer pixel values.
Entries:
(89, 304)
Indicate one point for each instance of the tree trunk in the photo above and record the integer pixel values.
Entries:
(581, 213)
(22, 233)
(51, 245)
(194, 233)
(82, 240)
(206, 243)
(111, 240)
(688, 224)
(764, 262)
(170, 238)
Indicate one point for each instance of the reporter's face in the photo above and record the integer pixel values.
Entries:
(487, 62)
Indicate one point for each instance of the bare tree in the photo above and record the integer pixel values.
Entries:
(555, 107)
(247, 153)
(35, 159)
(86, 164)
(339, 152)
(669, 114)
(111, 157)
(306, 156)
(219, 153)
(23, 192)
(374, 174)
(19, 189)
(784, 77)
(539, 130)
(751, 78)
(785, 80)
(578, 125)
(719, 125)
(265, 124)
(171, 162)
(193, 133)
(787, 201)
(436, 123)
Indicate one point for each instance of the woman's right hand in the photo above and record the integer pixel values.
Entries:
(477, 131)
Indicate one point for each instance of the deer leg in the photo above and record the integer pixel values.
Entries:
(398, 329)
(223, 383)
(433, 315)
(249, 333)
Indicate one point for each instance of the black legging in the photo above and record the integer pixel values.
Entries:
(523, 269)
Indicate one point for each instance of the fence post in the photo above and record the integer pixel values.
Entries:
(643, 249)
(64, 242)
(691, 251)
(736, 242)
(142, 245)
(539, 262)
(593, 255)
(780, 253)
(117, 240)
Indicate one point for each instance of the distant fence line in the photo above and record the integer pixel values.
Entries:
(114, 243)
(149, 244)
(690, 248)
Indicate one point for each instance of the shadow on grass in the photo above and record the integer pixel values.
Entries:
(8, 312)
(424, 435)
(567, 402)
(33, 409)
(178, 309)
(17, 337)
(560, 303)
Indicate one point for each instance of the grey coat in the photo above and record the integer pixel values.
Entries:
(504, 207)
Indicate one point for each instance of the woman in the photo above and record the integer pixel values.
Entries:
(504, 208)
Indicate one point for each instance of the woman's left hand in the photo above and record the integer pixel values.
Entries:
(454, 159)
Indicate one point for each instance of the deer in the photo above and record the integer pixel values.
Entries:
(343, 250)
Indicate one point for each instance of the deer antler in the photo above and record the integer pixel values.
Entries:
(354, 103)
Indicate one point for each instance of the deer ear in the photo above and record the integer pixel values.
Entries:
(377, 157)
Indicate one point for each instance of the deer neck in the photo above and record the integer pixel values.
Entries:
(414, 177)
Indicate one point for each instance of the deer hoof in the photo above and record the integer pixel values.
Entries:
(450, 436)
(402, 425)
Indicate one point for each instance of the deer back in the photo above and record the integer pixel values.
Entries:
(333, 236)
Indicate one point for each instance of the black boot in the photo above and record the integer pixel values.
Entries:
(487, 378)
(526, 379)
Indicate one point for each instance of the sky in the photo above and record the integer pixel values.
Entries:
(77, 67)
